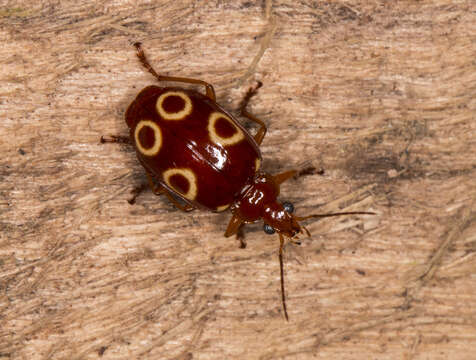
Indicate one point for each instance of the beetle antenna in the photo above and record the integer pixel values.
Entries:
(300, 218)
(281, 267)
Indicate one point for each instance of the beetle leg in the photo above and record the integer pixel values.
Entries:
(233, 226)
(143, 59)
(280, 178)
(135, 193)
(183, 207)
(262, 130)
(240, 236)
(158, 189)
(116, 139)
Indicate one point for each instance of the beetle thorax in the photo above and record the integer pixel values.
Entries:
(258, 200)
(255, 197)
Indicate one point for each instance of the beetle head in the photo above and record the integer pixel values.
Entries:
(279, 218)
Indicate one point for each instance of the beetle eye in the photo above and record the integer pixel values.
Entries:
(289, 207)
(268, 229)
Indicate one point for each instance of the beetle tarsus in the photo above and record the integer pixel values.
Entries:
(135, 193)
(115, 139)
(240, 236)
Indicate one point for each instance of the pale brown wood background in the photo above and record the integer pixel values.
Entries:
(378, 96)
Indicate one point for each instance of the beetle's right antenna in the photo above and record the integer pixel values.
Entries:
(300, 218)
(281, 268)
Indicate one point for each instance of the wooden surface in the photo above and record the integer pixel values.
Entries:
(379, 97)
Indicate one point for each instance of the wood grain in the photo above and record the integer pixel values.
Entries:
(378, 97)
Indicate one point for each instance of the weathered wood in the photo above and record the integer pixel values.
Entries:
(377, 96)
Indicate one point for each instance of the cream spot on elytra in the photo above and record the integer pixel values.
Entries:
(148, 137)
(183, 181)
(174, 105)
(222, 130)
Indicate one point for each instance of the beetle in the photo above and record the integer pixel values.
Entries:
(199, 156)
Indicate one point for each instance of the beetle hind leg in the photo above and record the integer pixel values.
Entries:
(262, 130)
(143, 59)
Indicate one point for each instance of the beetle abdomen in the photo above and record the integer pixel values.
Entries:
(192, 146)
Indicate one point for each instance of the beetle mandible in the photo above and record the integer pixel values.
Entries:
(199, 156)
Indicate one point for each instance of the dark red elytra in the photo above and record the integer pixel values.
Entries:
(200, 156)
